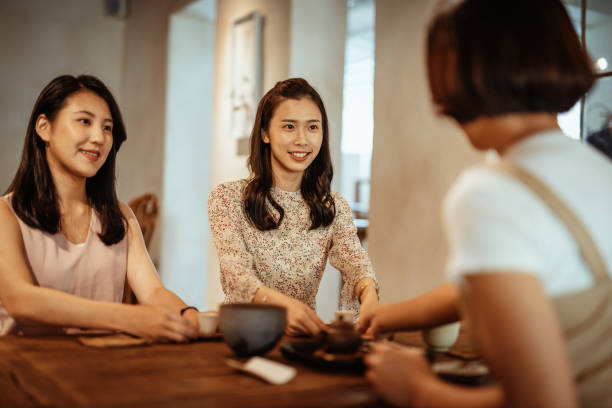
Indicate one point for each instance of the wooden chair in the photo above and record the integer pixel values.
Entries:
(145, 209)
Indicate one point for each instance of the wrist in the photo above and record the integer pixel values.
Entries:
(365, 288)
(190, 313)
(186, 309)
(369, 296)
(267, 296)
(122, 316)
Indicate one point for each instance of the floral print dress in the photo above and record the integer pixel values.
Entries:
(290, 259)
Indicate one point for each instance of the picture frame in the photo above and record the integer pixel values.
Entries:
(246, 79)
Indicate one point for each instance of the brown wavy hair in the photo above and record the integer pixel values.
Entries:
(317, 177)
(34, 197)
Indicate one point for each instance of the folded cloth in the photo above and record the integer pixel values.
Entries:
(268, 370)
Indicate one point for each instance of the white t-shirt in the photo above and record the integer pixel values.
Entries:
(493, 222)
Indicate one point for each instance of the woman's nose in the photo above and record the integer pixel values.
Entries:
(300, 137)
(97, 136)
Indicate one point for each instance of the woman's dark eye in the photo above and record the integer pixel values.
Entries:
(108, 128)
(85, 121)
(289, 126)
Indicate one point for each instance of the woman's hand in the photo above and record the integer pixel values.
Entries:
(367, 322)
(398, 374)
(157, 324)
(301, 319)
(365, 290)
(372, 320)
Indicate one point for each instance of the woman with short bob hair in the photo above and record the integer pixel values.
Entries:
(275, 231)
(530, 243)
(472, 75)
(67, 244)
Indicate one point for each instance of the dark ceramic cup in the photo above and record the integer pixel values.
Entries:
(251, 329)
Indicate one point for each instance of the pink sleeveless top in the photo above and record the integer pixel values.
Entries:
(90, 269)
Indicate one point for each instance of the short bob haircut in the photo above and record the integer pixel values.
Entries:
(317, 178)
(488, 58)
(34, 197)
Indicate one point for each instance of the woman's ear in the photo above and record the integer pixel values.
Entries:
(43, 127)
(264, 136)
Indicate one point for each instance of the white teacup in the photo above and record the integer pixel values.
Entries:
(209, 323)
(441, 338)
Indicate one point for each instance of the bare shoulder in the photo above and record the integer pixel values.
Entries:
(126, 210)
(8, 220)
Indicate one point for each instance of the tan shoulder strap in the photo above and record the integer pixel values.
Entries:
(589, 251)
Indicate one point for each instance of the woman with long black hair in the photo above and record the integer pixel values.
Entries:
(67, 244)
(275, 231)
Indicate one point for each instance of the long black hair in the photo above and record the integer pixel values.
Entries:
(317, 177)
(34, 197)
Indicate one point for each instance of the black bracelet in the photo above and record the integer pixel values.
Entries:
(183, 310)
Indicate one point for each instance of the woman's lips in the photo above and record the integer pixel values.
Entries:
(91, 154)
(299, 156)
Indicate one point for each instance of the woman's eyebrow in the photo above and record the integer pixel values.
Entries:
(85, 112)
(295, 120)
(92, 115)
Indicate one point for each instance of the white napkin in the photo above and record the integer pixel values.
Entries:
(268, 370)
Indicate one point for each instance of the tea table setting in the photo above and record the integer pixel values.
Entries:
(242, 358)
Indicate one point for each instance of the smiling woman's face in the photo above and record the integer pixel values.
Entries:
(80, 137)
(295, 136)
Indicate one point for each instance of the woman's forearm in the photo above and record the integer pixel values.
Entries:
(161, 296)
(438, 306)
(53, 307)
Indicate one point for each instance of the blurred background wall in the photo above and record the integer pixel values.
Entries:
(416, 156)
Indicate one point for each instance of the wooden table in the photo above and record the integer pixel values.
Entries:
(60, 372)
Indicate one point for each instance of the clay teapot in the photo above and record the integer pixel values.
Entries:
(341, 338)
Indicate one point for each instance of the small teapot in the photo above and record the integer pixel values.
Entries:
(341, 338)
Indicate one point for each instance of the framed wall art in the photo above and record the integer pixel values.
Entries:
(246, 76)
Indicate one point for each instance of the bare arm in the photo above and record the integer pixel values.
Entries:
(27, 302)
(438, 306)
(520, 337)
(142, 276)
(516, 328)
(402, 376)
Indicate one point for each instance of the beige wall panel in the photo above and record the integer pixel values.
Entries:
(416, 157)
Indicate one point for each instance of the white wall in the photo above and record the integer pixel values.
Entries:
(225, 164)
(416, 156)
(184, 223)
(41, 40)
